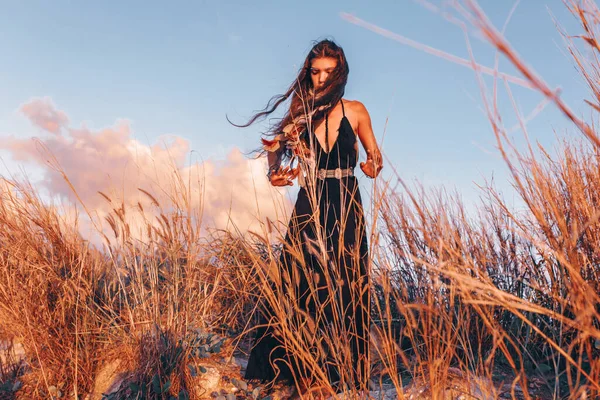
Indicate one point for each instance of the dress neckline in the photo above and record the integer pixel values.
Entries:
(337, 139)
(335, 142)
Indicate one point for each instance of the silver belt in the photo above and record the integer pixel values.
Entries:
(337, 173)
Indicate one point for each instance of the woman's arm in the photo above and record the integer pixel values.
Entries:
(374, 162)
(280, 176)
(274, 159)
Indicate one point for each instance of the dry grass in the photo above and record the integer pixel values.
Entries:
(74, 308)
(457, 297)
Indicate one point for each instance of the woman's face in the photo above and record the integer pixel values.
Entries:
(320, 68)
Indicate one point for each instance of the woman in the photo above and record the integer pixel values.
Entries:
(328, 283)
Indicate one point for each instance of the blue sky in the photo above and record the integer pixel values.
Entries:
(179, 68)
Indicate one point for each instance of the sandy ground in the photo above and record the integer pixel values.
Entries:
(220, 377)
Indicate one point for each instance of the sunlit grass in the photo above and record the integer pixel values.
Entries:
(485, 304)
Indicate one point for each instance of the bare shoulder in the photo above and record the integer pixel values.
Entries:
(356, 106)
(358, 113)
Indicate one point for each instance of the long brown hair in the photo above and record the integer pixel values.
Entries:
(304, 99)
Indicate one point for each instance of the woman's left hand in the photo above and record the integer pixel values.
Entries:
(372, 166)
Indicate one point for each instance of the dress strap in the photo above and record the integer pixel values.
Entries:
(327, 132)
(327, 126)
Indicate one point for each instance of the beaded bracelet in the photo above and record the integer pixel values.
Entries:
(272, 169)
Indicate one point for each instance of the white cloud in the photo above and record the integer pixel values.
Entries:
(111, 161)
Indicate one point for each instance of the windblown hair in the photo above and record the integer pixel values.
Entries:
(304, 99)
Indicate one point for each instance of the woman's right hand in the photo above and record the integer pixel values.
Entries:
(284, 176)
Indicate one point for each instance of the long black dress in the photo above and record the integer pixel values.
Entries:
(342, 224)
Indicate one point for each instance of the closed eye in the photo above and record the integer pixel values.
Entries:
(315, 71)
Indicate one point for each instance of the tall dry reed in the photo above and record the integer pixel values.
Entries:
(462, 300)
